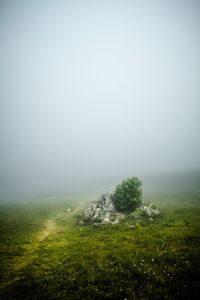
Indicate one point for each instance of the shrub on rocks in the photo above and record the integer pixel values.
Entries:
(128, 195)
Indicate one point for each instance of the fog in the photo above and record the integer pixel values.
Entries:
(96, 91)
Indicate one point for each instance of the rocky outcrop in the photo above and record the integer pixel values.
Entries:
(104, 212)
(101, 212)
(146, 211)
(149, 210)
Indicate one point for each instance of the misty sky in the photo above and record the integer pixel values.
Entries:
(95, 89)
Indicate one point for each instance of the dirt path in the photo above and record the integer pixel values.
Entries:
(49, 228)
(30, 253)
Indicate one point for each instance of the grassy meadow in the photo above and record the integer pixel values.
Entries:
(46, 254)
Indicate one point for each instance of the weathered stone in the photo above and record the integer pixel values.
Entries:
(96, 224)
(132, 226)
(147, 210)
(102, 212)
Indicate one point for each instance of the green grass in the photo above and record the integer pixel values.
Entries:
(46, 254)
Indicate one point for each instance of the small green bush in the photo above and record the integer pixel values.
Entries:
(128, 195)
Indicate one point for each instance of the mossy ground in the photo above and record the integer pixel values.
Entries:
(46, 254)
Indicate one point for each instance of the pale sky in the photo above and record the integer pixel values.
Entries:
(95, 89)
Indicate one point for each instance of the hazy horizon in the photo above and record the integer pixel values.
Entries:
(92, 90)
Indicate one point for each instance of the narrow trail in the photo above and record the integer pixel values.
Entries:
(29, 254)
(49, 228)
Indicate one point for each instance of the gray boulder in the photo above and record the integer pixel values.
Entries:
(104, 212)
(101, 212)
(146, 210)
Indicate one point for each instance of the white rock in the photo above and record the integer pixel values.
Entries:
(132, 226)
(106, 221)
(104, 212)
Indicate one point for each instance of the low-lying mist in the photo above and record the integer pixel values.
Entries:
(94, 92)
(184, 184)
